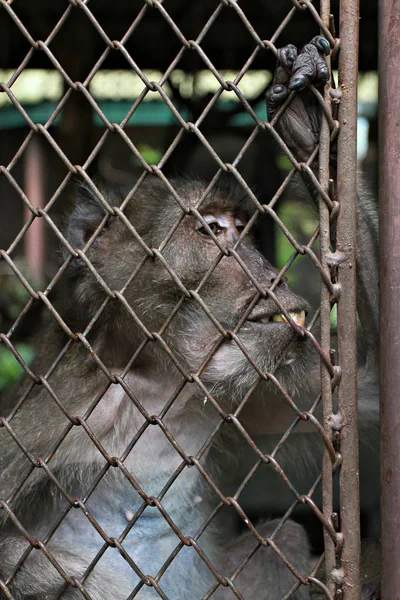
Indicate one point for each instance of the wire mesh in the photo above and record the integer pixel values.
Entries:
(114, 481)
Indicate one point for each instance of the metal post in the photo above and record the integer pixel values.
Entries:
(347, 333)
(325, 307)
(389, 124)
(34, 240)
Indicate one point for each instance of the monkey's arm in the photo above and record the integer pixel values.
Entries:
(38, 578)
(299, 126)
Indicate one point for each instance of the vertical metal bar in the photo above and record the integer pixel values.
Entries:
(34, 240)
(347, 333)
(326, 384)
(389, 151)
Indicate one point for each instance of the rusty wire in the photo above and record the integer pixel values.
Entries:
(331, 373)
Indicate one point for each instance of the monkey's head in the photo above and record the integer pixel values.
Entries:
(181, 262)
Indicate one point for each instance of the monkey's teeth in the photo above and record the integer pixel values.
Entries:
(298, 317)
(278, 318)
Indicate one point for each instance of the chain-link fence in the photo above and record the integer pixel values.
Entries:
(182, 425)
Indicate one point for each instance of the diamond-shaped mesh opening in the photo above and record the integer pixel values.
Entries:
(151, 450)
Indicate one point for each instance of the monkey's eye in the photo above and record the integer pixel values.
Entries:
(217, 226)
(239, 225)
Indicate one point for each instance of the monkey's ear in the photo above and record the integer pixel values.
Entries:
(84, 219)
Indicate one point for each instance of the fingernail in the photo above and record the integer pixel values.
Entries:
(324, 45)
(297, 83)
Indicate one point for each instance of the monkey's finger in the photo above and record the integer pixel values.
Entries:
(274, 97)
(283, 71)
(277, 91)
(322, 44)
(309, 66)
(286, 57)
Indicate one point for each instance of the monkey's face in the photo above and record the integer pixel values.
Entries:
(197, 279)
(236, 298)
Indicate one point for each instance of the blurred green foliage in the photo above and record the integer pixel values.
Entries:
(10, 369)
(13, 298)
(300, 220)
(150, 154)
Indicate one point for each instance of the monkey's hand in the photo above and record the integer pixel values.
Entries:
(299, 124)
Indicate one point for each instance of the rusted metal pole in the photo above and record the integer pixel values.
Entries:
(325, 307)
(34, 240)
(347, 330)
(389, 151)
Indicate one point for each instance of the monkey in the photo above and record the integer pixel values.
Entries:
(169, 317)
(131, 498)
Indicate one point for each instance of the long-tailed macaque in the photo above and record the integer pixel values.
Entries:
(169, 319)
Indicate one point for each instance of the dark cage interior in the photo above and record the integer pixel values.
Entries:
(179, 312)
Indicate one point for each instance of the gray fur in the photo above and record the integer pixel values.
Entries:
(114, 503)
(152, 380)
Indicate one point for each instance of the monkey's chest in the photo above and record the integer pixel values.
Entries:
(123, 539)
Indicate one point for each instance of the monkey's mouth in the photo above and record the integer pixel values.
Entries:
(299, 317)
